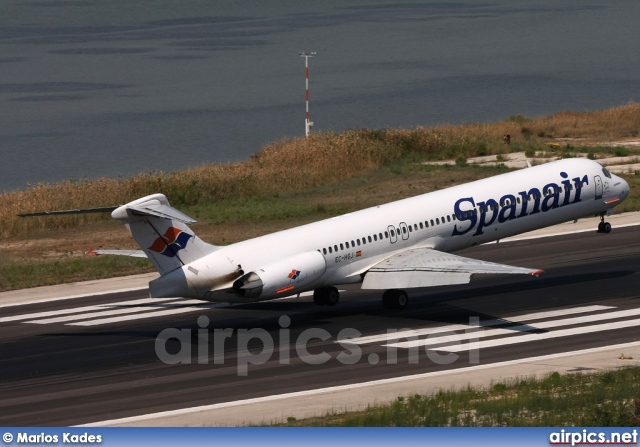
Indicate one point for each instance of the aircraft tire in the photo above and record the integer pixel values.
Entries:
(400, 299)
(331, 296)
(387, 302)
(319, 296)
(606, 228)
(395, 299)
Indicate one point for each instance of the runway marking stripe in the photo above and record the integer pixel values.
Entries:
(157, 313)
(202, 306)
(545, 336)
(77, 310)
(455, 327)
(524, 328)
(27, 302)
(126, 310)
(88, 312)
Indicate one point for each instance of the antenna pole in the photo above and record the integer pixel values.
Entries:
(307, 122)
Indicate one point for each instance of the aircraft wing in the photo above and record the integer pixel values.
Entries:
(132, 253)
(425, 267)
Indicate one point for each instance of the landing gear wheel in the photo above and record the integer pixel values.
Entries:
(318, 297)
(401, 299)
(395, 299)
(604, 227)
(332, 296)
(326, 295)
(386, 300)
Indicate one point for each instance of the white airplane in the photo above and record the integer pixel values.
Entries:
(392, 247)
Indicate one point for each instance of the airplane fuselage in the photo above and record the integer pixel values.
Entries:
(342, 249)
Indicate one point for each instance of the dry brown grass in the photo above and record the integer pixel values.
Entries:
(302, 163)
(618, 122)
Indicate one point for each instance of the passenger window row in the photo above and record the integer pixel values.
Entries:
(440, 220)
(381, 236)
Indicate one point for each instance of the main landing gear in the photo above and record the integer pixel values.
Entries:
(326, 296)
(391, 299)
(604, 227)
(395, 299)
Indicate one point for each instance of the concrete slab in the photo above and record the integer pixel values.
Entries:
(273, 409)
(624, 169)
(76, 290)
(611, 161)
(626, 143)
(519, 160)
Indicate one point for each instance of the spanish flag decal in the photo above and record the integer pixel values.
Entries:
(358, 253)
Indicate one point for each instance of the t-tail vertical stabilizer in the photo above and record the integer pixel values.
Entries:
(162, 232)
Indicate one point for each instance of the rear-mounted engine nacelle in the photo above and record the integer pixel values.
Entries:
(282, 278)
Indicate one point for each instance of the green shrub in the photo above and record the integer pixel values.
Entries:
(621, 152)
(518, 119)
(461, 161)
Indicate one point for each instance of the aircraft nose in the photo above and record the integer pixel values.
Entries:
(623, 188)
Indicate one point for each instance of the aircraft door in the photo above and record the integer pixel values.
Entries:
(393, 236)
(598, 182)
(404, 231)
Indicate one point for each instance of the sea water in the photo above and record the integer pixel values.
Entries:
(92, 89)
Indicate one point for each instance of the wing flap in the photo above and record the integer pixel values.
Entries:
(425, 267)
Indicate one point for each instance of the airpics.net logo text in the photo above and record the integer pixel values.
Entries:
(256, 346)
(592, 437)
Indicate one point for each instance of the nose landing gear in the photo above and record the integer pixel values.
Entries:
(604, 227)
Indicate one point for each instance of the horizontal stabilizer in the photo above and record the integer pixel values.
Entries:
(160, 210)
(425, 267)
(155, 205)
(104, 209)
(131, 253)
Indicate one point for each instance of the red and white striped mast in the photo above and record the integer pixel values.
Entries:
(307, 121)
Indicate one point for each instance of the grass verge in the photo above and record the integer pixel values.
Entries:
(610, 398)
(26, 274)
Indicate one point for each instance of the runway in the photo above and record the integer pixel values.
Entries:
(91, 359)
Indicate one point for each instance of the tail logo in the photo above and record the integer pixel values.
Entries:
(171, 243)
(294, 274)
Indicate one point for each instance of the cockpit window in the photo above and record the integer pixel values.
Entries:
(606, 173)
